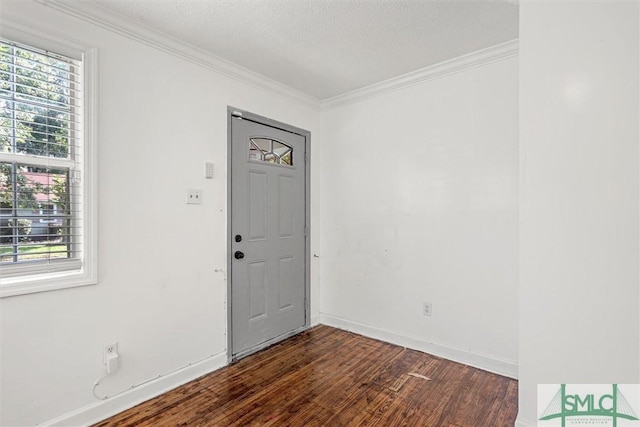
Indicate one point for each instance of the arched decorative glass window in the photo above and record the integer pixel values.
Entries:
(270, 151)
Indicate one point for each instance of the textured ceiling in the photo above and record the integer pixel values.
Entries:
(326, 48)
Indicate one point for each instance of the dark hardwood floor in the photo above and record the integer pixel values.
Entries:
(329, 377)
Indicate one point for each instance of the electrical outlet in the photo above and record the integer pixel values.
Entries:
(111, 358)
(194, 196)
(427, 309)
(109, 349)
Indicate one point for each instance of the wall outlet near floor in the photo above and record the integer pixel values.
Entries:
(427, 309)
(110, 350)
(111, 358)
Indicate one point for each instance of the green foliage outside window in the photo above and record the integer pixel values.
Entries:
(36, 119)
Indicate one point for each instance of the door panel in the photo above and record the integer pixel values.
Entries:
(257, 289)
(286, 212)
(268, 211)
(257, 205)
(286, 292)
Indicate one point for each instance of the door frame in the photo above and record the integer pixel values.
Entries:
(232, 114)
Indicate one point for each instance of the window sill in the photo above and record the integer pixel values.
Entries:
(43, 282)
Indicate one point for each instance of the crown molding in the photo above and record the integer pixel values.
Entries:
(112, 21)
(142, 33)
(452, 66)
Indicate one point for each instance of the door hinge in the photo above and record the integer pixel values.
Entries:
(306, 231)
(305, 157)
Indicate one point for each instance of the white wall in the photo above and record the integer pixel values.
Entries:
(419, 204)
(419, 192)
(579, 196)
(160, 119)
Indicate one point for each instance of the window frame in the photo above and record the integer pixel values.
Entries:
(53, 212)
(27, 279)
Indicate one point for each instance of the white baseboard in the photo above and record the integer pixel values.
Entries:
(314, 321)
(103, 409)
(522, 423)
(485, 362)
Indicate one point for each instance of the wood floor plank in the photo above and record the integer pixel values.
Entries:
(329, 377)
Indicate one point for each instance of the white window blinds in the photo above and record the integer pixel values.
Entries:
(40, 161)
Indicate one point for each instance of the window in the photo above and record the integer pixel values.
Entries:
(49, 214)
(47, 169)
(270, 151)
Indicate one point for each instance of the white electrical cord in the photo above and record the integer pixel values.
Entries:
(111, 364)
(106, 396)
(95, 386)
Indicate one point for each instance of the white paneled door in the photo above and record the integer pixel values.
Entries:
(267, 235)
